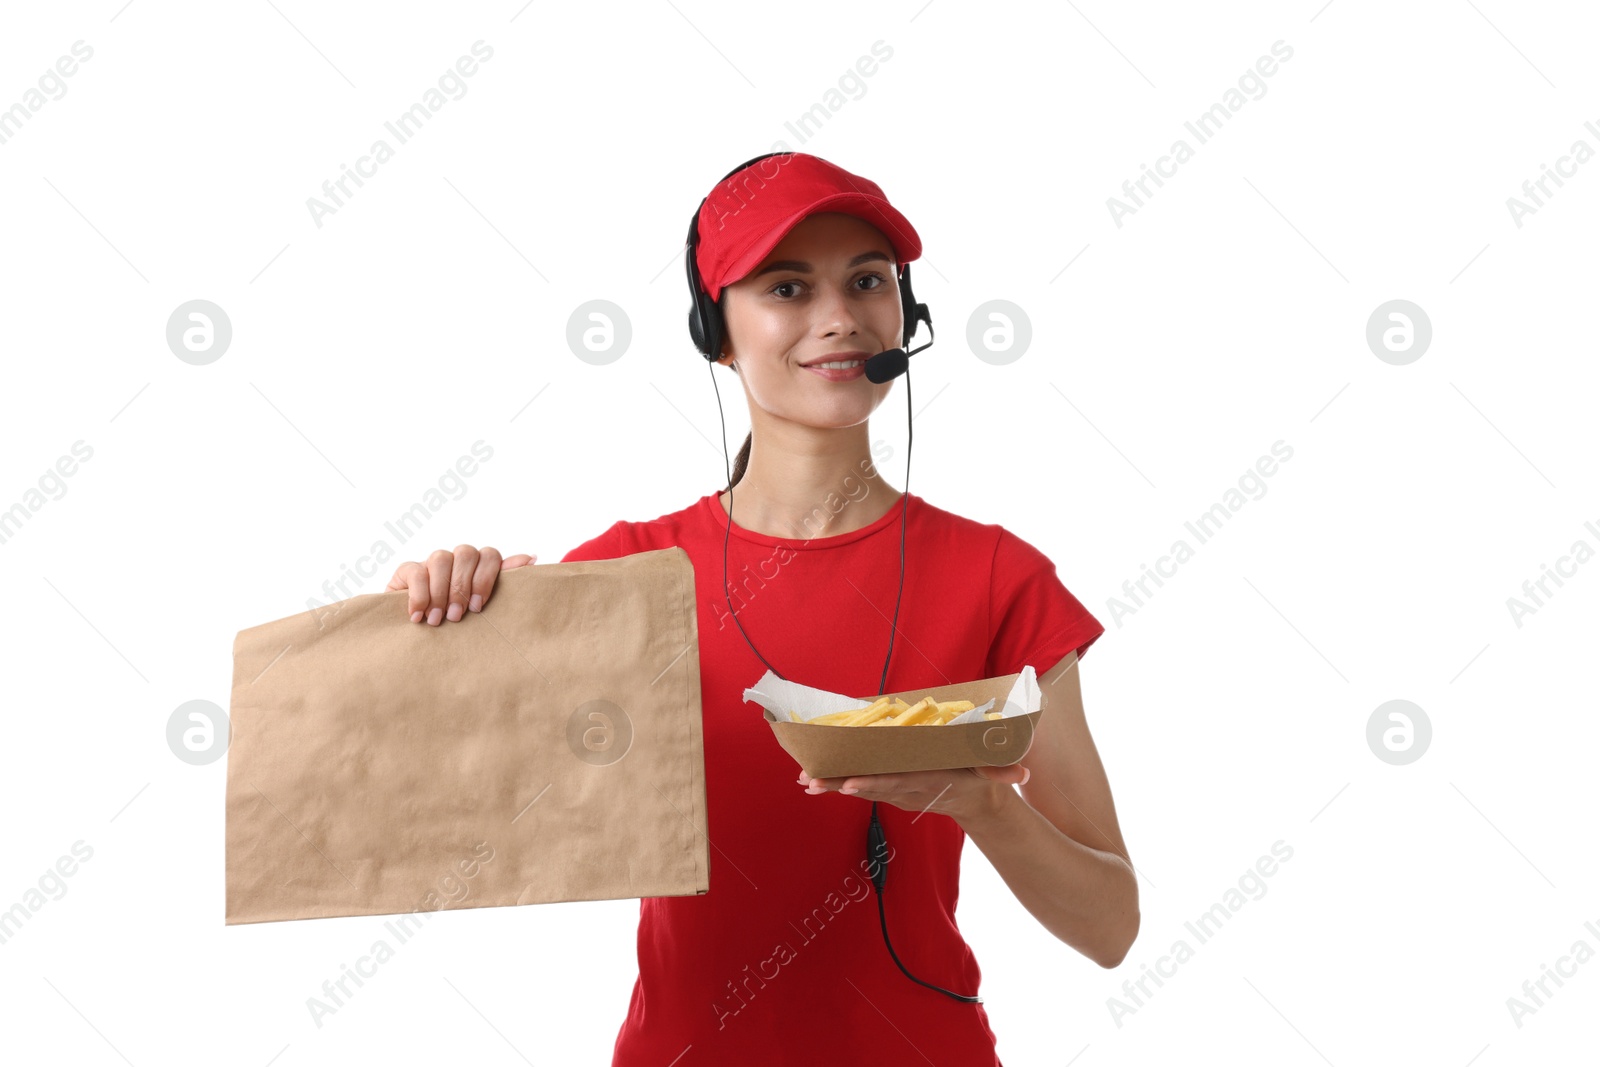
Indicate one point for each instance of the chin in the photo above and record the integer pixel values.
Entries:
(838, 418)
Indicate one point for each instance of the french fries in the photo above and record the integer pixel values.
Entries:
(896, 712)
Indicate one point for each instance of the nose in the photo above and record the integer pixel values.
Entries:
(835, 315)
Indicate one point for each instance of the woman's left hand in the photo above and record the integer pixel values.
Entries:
(966, 794)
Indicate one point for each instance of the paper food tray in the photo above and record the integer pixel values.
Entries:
(969, 740)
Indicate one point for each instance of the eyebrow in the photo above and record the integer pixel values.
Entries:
(805, 268)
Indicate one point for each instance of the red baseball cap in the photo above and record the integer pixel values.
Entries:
(751, 210)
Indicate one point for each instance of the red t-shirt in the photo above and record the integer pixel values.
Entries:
(782, 961)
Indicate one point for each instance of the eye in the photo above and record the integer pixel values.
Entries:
(879, 280)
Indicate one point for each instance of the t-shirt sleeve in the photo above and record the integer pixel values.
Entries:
(1034, 619)
(606, 546)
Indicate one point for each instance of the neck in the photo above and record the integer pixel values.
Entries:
(803, 482)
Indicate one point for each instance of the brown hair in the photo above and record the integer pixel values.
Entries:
(740, 462)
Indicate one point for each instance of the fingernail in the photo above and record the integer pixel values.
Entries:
(476, 603)
(454, 614)
(1026, 774)
(848, 789)
(416, 616)
(434, 616)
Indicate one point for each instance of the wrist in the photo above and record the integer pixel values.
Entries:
(997, 806)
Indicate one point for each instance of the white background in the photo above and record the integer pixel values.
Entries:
(1168, 354)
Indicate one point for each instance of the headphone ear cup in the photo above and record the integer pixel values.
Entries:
(696, 333)
(713, 339)
(908, 307)
(702, 312)
(705, 329)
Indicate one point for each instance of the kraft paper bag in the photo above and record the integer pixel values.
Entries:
(546, 749)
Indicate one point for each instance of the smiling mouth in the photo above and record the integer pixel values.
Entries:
(842, 364)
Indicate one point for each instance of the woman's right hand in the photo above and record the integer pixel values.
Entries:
(450, 584)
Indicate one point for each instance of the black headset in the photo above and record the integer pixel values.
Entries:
(707, 329)
(705, 315)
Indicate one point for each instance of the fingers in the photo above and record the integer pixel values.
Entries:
(465, 560)
(483, 578)
(489, 568)
(412, 577)
(450, 584)
(400, 579)
(440, 564)
(1010, 774)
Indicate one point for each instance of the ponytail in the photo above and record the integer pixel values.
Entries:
(740, 462)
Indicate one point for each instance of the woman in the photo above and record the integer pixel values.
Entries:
(784, 960)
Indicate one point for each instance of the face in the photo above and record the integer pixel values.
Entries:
(829, 287)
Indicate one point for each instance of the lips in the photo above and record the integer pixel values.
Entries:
(836, 357)
(840, 374)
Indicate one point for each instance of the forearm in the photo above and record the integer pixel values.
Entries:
(1087, 898)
